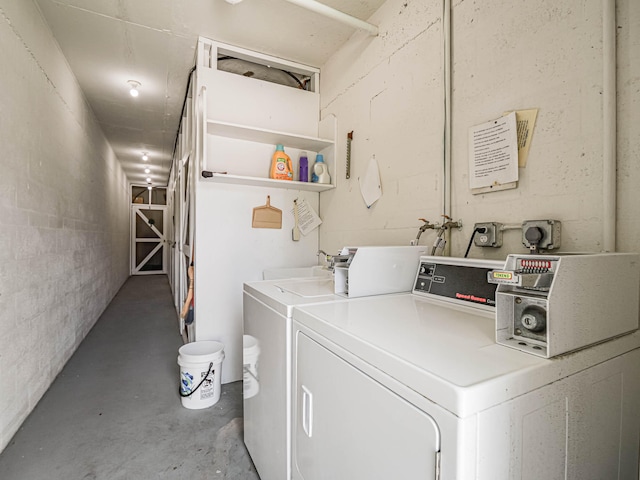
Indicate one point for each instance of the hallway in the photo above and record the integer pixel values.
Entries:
(114, 411)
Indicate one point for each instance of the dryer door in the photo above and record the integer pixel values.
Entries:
(348, 426)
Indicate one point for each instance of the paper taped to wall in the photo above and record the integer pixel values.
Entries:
(308, 219)
(370, 186)
(525, 121)
(493, 155)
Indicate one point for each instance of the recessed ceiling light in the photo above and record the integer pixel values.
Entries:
(146, 170)
(233, 2)
(148, 180)
(145, 157)
(134, 87)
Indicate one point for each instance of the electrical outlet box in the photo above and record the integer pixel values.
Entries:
(491, 237)
(549, 231)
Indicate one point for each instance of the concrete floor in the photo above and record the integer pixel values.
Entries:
(114, 411)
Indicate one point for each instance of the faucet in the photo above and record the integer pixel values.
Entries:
(342, 260)
(422, 229)
(446, 224)
(326, 256)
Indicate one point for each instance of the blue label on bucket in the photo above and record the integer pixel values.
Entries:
(186, 383)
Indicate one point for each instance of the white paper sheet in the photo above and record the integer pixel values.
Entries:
(493, 153)
(308, 219)
(370, 186)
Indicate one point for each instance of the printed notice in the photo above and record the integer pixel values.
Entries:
(308, 219)
(493, 153)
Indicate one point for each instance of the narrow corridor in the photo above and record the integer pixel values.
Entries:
(114, 411)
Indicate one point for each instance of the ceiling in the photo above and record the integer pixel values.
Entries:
(108, 42)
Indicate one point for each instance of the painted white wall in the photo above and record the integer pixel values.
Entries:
(506, 56)
(388, 90)
(64, 214)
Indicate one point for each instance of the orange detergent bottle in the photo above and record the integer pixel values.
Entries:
(281, 168)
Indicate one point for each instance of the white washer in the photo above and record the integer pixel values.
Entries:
(268, 308)
(412, 387)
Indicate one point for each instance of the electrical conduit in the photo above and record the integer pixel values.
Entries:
(336, 15)
(446, 177)
(609, 102)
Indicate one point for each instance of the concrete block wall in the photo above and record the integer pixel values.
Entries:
(388, 91)
(506, 56)
(64, 214)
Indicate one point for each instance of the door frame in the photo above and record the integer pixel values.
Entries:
(161, 240)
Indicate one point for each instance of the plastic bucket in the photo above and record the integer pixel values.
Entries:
(200, 373)
(250, 354)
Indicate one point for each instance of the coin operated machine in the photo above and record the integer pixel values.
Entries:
(548, 305)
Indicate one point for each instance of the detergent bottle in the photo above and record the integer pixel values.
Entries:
(281, 168)
(304, 167)
(320, 171)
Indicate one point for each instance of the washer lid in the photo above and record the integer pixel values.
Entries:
(283, 295)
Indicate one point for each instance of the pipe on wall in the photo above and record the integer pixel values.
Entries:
(446, 31)
(609, 103)
(336, 15)
(446, 134)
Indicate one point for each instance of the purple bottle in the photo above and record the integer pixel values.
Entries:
(304, 167)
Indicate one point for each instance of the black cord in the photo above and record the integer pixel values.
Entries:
(184, 104)
(473, 235)
(300, 84)
(295, 78)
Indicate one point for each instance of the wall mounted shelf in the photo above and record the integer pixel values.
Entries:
(265, 182)
(260, 135)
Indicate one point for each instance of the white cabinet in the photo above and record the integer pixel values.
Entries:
(237, 122)
(349, 427)
(244, 119)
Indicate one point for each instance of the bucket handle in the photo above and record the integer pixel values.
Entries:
(201, 382)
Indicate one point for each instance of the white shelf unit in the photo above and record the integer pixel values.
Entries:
(262, 141)
(237, 123)
(260, 135)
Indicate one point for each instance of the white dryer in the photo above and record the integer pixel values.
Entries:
(416, 387)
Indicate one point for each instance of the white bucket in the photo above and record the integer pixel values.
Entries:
(200, 373)
(250, 378)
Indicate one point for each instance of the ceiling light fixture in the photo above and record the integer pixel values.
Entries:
(148, 180)
(149, 188)
(146, 170)
(134, 87)
(233, 2)
(145, 157)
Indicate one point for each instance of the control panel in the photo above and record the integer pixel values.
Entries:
(459, 280)
(530, 274)
(548, 305)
